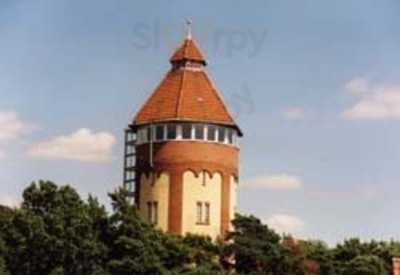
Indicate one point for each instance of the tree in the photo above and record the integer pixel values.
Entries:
(136, 248)
(255, 247)
(3, 252)
(203, 254)
(365, 265)
(54, 233)
(296, 258)
(5, 215)
(353, 253)
(320, 253)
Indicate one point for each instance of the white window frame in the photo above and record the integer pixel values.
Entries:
(165, 132)
(179, 131)
(192, 132)
(203, 213)
(144, 132)
(152, 130)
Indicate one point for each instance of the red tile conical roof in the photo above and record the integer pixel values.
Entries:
(185, 94)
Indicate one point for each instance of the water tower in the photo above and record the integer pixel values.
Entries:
(182, 153)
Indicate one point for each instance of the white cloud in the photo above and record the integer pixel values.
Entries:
(283, 223)
(277, 182)
(376, 102)
(9, 201)
(82, 145)
(12, 127)
(294, 113)
(358, 86)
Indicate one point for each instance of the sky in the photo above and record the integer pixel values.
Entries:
(314, 85)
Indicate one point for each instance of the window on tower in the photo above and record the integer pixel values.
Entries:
(142, 135)
(199, 131)
(171, 131)
(206, 213)
(187, 131)
(211, 133)
(152, 212)
(221, 134)
(202, 213)
(159, 132)
(130, 136)
(145, 134)
(230, 136)
(199, 212)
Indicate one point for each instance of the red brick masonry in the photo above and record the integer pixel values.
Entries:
(176, 157)
(396, 266)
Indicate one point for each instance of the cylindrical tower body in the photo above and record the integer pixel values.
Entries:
(186, 149)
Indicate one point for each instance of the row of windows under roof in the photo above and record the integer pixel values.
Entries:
(187, 131)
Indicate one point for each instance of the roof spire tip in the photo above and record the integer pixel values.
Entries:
(189, 29)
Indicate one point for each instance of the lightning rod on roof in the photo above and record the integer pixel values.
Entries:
(189, 28)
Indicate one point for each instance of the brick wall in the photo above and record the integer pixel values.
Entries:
(396, 266)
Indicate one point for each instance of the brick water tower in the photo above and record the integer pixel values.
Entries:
(181, 151)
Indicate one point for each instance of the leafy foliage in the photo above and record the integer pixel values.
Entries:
(56, 232)
(255, 247)
(365, 265)
(53, 232)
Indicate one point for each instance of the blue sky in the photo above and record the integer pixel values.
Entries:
(313, 84)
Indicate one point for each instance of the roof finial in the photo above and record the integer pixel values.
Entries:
(189, 28)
